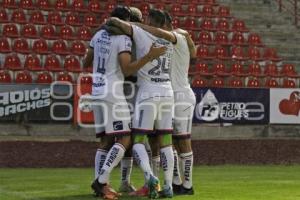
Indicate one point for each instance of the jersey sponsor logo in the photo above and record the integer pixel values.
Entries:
(210, 109)
(160, 80)
(118, 125)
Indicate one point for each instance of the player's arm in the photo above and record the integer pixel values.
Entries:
(129, 68)
(158, 32)
(123, 25)
(190, 42)
(88, 60)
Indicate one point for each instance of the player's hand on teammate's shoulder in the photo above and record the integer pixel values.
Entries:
(156, 51)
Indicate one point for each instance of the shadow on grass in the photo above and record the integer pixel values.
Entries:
(87, 197)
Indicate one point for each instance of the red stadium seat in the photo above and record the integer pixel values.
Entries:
(254, 54)
(10, 30)
(271, 70)
(73, 19)
(27, 4)
(33, 63)
(66, 33)
(205, 38)
(109, 6)
(253, 83)
(237, 53)
(12, 62)
(4, 46)
(203, 69)
(9, 4)
(144, 7)
(90, 20)
(40, 46)
(86, 80)
(55, 18)
(203, 53)
(18, 16)
(199, 82)
(208, 25)
(239, 26)
(254, 40)
(208, 11)
(44, 78)
(3, 16)
(44, 5)
(191, 24)
(219, 69)
(221, 38)
(48, 32)
(78, 48)
(5, 77)
(271, 83)
(288, 83)
(217, 82)
(176, 22)
(289, 71)
(224, 12)
(21, 46)
(65, 77)
(254, 69)
(61, 5)
(52, 64)
(238, 39)
(37, 17)
(94, 6)
(60, 47)
(221, 53)
(29, 31)
(79, 6)
(271, 55)
(176, 10)
(23, 77)
(160, 6)
(223, 25)
(192, 10)
(236, 83)
(237, 69)
(84, 33)
(72, 64)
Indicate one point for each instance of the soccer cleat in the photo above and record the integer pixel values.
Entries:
(142, 192)
(185, 191)
(154, 187)
(126, 187)
(167, 192)
(176, 188)
(97, 188)
(104, 190)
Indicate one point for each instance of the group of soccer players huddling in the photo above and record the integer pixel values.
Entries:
(154, 125)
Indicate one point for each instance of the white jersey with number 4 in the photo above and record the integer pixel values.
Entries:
(107, 74)
(180, 64)
(154, 74)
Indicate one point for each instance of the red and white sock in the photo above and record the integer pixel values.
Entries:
(126, 168)
(167, 163)
(99, 161)
(187, 160)
(141, 157)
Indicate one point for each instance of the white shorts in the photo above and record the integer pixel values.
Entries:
(111, 117)
(183, 113)
(154, 112)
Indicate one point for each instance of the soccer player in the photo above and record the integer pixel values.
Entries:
(154, 103)
(184, 98)
(111, 56)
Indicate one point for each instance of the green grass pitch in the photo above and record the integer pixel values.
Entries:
(210, 183)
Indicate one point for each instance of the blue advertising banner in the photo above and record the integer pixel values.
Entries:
(232, 105)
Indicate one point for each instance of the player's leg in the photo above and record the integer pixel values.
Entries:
(155, 151)
(164, 130)
(117, 125)
(182, 137)
(177, 181)
(143, 123)
(126, 169)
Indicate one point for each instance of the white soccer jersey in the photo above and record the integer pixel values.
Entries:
(156, 73)
(107, 73)
(180, 64)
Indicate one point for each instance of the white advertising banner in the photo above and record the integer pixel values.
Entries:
(285, 106)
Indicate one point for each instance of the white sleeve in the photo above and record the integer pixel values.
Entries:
(92, 42)
(125, 44)
(138, 34)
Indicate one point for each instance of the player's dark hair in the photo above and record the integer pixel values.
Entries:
(157, 17)
(168, 19)
(121, 12)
